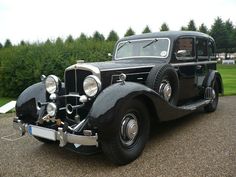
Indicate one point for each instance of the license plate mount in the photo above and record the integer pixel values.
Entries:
(42, 132)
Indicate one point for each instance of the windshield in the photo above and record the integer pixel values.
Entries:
(150, 48)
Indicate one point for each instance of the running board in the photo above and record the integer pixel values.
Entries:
(195, 105)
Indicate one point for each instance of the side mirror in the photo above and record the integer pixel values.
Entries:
(109, 55)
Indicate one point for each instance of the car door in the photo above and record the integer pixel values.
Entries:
(201, 69)
(205, 54)
(185, 64)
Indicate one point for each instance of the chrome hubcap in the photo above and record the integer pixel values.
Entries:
(166, 90)
(129, 129)
(213, 94)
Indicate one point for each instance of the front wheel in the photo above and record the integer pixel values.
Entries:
(131, 133)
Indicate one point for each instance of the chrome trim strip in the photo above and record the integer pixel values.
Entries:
(133, 67)
(76, 91)
(146, 39)
(70, 95)
(129, 74)
(193, 63)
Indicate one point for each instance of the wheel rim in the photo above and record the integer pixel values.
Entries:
(165, 90)
(129, 129)
(214, 100)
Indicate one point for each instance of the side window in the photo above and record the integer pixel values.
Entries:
(184, 48)
(211, 50)
(202, 48)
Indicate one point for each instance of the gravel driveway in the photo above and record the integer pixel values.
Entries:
(196, 145)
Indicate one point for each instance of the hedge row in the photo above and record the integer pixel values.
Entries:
(21, 66)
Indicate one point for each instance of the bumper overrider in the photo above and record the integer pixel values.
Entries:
(55, 135)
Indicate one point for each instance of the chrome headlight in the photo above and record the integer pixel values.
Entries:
(52, 84)
(91, 85)
(51, 109)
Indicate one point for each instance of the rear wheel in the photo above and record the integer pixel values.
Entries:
(211, 107)
(131, 133)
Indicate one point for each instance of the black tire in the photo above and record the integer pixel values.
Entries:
(43, 140)
(211, 107)
(161, 73)
(116, 148)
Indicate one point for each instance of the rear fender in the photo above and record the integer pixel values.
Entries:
(212, 76)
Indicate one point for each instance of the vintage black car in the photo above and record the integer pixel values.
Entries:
(152, 77)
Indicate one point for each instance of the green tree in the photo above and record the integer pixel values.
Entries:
(1, 45)
(192, 26)
(69, 39)
(98, 36)
(82, 37)
(219, 33)
(230, 34)
(164, 27)
(59, 41)
(22, 43)
(129, 32)
(184, 28)
(203, 28)
(7, 43)
(234, 37)
(146, 30)
(48, 42)
(113, 36)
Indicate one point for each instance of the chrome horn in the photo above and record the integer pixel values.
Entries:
(70, 108)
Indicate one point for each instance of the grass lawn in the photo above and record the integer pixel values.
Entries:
(5, 100)
(228, 73)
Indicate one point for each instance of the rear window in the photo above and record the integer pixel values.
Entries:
(202, 48)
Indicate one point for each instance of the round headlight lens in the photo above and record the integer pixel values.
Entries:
(51, 109)
(52, 84)
(92, 85)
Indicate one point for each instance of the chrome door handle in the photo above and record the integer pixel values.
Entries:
(199, 66)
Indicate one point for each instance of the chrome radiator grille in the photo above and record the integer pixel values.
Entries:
(74, 84)
(74, 81)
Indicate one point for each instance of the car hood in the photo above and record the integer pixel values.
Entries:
(123, 64)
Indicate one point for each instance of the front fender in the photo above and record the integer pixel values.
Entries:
(102, 115)
(26, 104)
(106, 106)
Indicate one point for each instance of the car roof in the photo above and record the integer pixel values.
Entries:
(169, 34)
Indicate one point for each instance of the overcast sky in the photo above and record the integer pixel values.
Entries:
(37, 20)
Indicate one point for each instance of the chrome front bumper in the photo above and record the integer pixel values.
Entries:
(54, 135)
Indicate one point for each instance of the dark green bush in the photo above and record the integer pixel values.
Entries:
(21, 66)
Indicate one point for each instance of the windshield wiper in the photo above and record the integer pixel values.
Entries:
(127, 42)
(153, 41)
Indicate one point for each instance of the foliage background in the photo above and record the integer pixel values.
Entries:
(21, 65)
